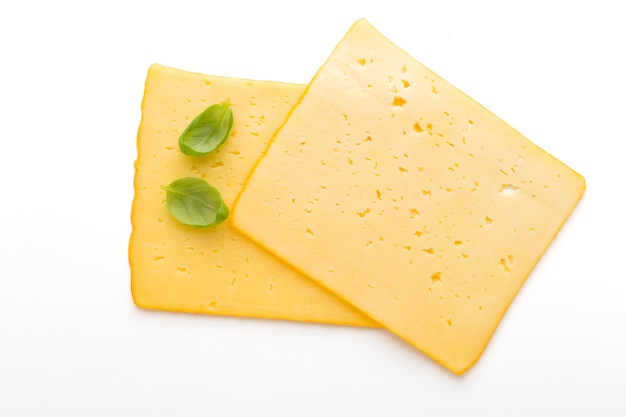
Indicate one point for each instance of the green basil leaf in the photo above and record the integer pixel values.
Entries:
(194, 202)
(208, 131)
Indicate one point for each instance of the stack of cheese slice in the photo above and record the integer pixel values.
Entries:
(385, 185)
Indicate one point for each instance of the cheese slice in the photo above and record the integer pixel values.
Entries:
(218, 270)
(407, 198)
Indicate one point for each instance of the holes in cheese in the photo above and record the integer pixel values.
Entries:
(440, 279)
(176, 267)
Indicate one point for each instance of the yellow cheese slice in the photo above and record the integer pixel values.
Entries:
(218, 271)
(407, 198)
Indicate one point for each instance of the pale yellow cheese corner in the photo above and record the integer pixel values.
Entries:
(218, 271)
(407, 198)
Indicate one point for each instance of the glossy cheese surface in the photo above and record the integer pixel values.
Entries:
(407, 198)
(218, 271)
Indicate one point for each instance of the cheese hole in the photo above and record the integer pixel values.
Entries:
(434, 90)
(398, 101)
(449, 321)
(504, 265)
(436, 277)
(363, 213)
(361, 61)
(429, 251)
(488, 220)
(508, 189)
(417, 127)
(158, 258)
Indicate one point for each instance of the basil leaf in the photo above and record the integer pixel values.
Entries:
(207, 131)
(194, 202)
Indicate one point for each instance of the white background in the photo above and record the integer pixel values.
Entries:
(72, 343)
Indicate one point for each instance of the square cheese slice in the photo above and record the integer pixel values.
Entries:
(218, 270)
(407, 198)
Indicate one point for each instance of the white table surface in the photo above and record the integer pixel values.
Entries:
(72, 343)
